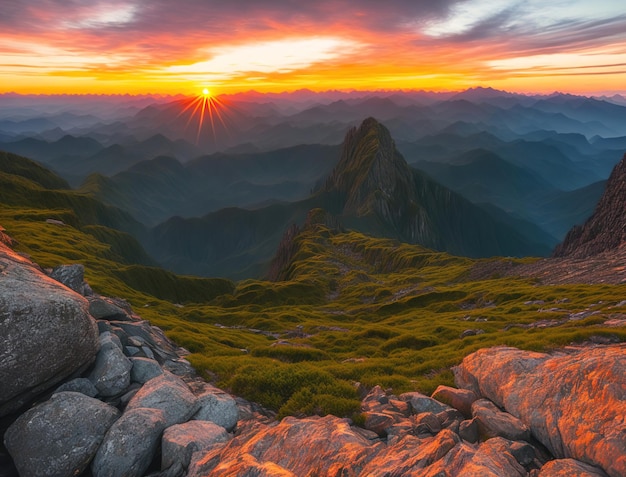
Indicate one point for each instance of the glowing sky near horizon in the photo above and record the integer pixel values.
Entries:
(159, 46)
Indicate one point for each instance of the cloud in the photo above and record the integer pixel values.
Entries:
(268, 57)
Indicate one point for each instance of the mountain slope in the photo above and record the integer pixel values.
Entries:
(26, 185)
(606, 229)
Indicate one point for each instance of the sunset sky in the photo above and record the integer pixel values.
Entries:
(183, 46)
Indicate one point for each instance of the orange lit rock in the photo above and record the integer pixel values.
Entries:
(574, 403)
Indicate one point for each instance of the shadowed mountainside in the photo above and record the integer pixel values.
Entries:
(605, 230)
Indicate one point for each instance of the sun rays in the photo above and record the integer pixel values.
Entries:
(208, 112)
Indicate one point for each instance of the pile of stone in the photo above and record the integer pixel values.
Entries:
(104, 391)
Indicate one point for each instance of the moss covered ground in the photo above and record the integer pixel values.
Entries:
(354, 310)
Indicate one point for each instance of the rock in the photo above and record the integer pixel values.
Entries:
(411, 456)
(492, 422)
(179, 442)
(102, 308)
(246, 466)
(523, 452)
(111, 373)
(471, 332)
(468, 431)
(308, 446)
(491, 459)
(79, 385)
(130, 444)
(421, 403)
(41, 322)
(218, 407)
(580, 394)
(59, 437)
(151, 335)
(72, 276)
(459, 399)
(569, 468)
(169, 394)
(144, 369)
(429, 420)
(378, 422)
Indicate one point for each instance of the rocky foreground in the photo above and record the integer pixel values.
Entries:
(88, 388)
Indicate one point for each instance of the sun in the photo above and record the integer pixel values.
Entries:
(209, 112)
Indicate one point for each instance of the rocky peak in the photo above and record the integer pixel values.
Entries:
(370, 171)
(606, 229)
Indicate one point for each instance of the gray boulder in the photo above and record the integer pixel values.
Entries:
(169, 394)
(79, 385)
(181, 441)
(421, 403)
(59, 437)
(102, 308)
(492, 422)
(72, 276)
(218, 407)
(130, 444)
(144, 369)
(111, 373)
(41, 322)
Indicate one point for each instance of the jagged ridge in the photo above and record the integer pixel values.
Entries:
(606, 229)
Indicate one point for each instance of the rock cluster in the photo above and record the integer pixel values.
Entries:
(131, 406)
(516, 413)
(110, 395)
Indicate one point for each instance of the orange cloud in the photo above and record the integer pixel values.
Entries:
(139, 47)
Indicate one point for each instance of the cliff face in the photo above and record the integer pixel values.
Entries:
(605, 230)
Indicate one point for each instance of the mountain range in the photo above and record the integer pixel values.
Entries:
(478, 173)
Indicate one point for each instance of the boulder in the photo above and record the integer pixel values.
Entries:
(421, 403)
(378, 422)
(218, 407)
(492, 422)
(468, 431)
(42, 322)
(144, 369)
(569, 468)
(459, 399)
(246, 465)
(492, 458)
(581, 394)
(169, 394)
(111, 373)
(102, 308)
(72, 276)
(180, 441)
(308, 446)
(130, 444)
(79, 385)
(59, 437)
(411, 456)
